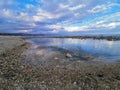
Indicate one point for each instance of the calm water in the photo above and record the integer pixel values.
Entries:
(105, 50)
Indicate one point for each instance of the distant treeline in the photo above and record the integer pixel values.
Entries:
(20, 34)
(86, 37)
(44, 36)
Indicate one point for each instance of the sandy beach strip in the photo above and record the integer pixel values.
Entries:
(9, 42)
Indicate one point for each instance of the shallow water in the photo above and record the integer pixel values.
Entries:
(81, 49)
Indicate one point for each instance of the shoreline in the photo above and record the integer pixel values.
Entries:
(109, 38)
(95, 37)
(14, 74)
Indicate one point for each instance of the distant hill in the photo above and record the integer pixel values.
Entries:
(20, 34)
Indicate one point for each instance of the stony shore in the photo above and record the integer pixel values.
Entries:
(16, 75)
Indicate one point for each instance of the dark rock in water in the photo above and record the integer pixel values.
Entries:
(68, 55)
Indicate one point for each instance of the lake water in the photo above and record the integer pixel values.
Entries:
(80, 49)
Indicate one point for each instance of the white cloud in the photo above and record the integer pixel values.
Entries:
(115, 17)
(106, 22)
(76, 28)
(40, 15)
(114, 24)
(102, 8)
(29, 6)
(6, 13)
(100, 22)
(107, 26)
(77, 7)
(43, 15)
(24, 31)
(99, 8)
(67, 6)
(54, 31)
(37, 18)
(7, 3)
(66, 13)
(54, 26)
(63, 6)
(111, 25)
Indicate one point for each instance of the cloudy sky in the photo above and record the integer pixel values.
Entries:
(59, 16)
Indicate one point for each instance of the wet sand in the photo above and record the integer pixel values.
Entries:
(17, 75)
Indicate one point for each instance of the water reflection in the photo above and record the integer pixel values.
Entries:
(109, 50)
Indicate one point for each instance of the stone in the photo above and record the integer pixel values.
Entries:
(56, 58)
(100, 75)
(75, 83)
(68, 55)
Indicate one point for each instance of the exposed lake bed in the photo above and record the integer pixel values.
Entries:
(46, 65)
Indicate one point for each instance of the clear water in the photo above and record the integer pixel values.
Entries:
(107, 50)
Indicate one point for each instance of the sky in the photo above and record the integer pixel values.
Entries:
(60, 16)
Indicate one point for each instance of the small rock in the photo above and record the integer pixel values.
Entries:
(56, 58)
(68, 55)
(57, 66)
(100, 75)
(75, 83)
(117, 77)
(42, 82)
(22, 67)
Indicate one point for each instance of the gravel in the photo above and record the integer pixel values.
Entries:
(17, 75)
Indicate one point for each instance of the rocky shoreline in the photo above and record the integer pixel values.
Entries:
(11, 65)
(16, 75)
